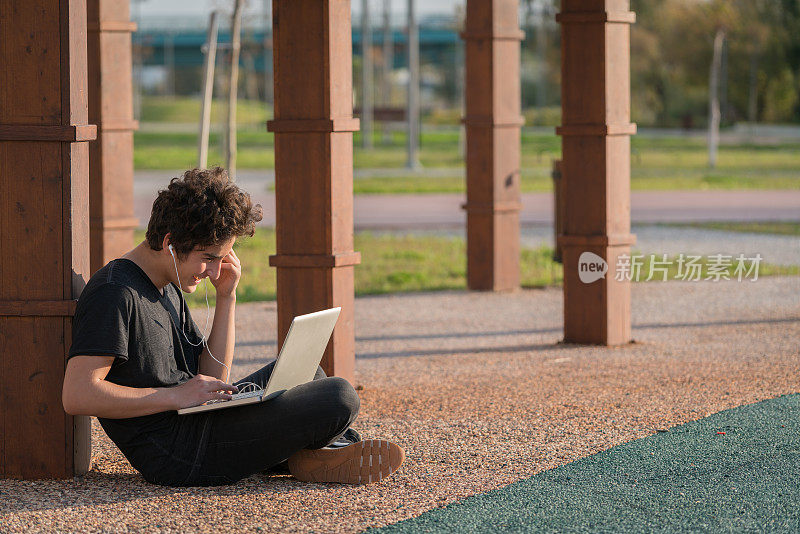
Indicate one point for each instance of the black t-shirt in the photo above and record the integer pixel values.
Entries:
(121, 313)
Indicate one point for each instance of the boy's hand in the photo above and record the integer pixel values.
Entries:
(200, 389)
(229, 274)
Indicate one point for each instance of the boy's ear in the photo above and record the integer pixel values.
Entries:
(165, 243)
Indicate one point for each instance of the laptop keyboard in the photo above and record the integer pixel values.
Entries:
(248, 394)
(237, 396)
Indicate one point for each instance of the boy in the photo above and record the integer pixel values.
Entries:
(137, 357)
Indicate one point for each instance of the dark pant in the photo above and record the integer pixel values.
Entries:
(255, 437)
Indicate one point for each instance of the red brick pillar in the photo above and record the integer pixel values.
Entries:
(44, 232)
(492, 47)
(313, 129)
(111, 109)
(596, 130)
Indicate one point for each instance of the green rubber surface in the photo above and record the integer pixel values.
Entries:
(691, 478)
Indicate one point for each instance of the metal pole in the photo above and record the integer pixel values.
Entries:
(208, 90)
(233, 88)
(169, 60)
(412, 110)
(267, 51)
(460, 73)
(366, 76)
(388, 63)
(136, 52)
(541, 51)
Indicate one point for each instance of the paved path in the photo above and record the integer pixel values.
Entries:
(437, 210)
(443, 210)
(654, 239)
(671, 240)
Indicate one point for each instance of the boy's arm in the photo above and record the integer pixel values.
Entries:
(87, 392)
(222, 338)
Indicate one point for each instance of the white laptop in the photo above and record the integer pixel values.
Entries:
(297, 361)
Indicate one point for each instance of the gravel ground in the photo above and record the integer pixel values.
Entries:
(478, 390)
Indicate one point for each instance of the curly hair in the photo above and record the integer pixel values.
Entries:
(202, 208)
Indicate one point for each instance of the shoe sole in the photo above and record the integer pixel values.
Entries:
(363, 462)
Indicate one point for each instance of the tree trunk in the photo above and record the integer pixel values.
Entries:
(752, 101)
(713, 99)
(208, 89)
(221, 88)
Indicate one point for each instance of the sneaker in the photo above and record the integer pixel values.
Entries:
(363, 462)
(349, 437)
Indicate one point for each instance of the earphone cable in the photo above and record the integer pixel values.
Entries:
(249, 386)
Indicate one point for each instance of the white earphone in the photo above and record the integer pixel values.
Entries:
(203, 340)
(243, 386)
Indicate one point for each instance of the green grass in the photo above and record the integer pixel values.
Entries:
(392, 263)
(186, 110)
(532, 181)
(655, 165)
(754, 227)
(389, 264)
(157, 150)
(409, 184)
(652, 167)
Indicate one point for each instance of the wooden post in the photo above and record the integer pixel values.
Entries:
(313, 129)
(492, 42)
(111, 108)
(596, 130)
(44, 232)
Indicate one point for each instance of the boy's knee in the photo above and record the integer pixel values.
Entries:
(343, 395)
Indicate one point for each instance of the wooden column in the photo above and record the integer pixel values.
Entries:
(44, 230)
(314, 128)
(111, 109)
(596, 130)
(492, 47)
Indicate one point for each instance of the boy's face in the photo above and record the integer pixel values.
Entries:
(203, 262)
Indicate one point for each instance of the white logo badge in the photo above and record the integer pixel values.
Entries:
(591, 267)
